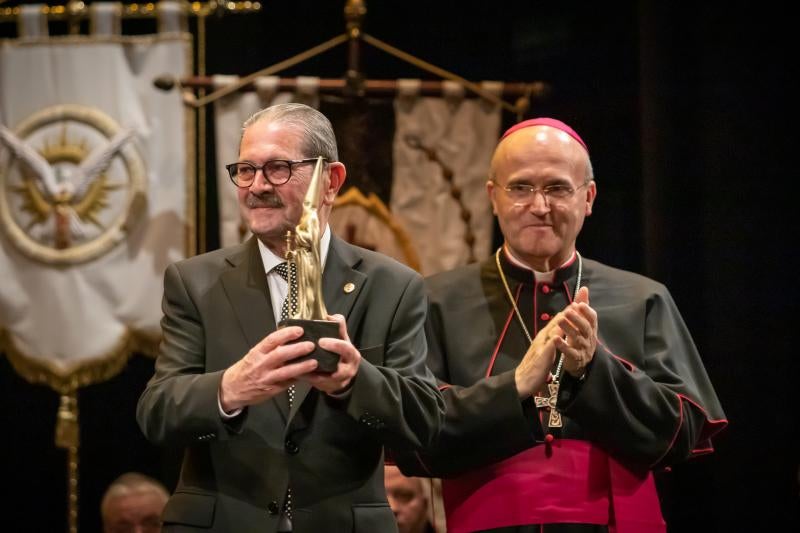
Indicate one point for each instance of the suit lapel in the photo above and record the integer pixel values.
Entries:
(246, 287)
(341, 284)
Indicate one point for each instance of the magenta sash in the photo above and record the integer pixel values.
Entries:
(565, 481)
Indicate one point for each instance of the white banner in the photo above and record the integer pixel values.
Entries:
(434, 137)
(95, 194)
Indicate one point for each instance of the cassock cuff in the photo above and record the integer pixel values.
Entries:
(570, 387)
(531, 413)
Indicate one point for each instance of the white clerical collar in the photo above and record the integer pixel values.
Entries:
(546, 277)
(271, 260)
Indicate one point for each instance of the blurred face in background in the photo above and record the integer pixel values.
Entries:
(407, 499)
(137, 512)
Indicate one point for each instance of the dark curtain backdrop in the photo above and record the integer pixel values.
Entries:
(686, 110)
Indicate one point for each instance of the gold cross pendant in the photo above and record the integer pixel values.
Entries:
(549, 402)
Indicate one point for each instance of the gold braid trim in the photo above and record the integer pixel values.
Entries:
(375, 207)
(103, 368)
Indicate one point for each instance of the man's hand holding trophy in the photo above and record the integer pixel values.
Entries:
(305, 306)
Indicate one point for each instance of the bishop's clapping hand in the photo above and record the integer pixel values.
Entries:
(580, 330)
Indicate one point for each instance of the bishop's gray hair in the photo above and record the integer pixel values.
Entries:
(317, 131)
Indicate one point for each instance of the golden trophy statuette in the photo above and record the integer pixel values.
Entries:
(302, 251)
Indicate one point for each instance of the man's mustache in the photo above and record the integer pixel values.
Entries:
(266, 199)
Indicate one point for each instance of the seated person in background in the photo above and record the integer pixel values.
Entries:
(133, 503)
(409, 501)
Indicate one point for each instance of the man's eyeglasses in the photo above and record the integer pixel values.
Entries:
(276, 171)
(524, 194)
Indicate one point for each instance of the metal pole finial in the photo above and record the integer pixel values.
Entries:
(354, 13)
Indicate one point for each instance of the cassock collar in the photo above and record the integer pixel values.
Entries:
(515, 271)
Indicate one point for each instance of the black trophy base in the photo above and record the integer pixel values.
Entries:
(314, 330)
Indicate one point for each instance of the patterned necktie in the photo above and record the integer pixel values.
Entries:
(289, 308)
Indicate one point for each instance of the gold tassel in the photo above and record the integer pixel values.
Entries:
(67, 422)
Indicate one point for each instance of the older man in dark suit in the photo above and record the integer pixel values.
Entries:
(271, 444)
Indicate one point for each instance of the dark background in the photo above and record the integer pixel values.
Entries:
(686, 109)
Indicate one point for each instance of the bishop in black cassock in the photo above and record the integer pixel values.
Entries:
(578, 455)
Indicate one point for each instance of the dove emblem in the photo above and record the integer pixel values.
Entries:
(62, 193)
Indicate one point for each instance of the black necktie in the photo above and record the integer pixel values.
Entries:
(289, 308)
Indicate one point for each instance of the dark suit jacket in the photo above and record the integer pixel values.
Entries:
(235, 475)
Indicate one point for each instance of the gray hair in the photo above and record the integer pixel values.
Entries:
(589, 170)
(132, 483)
(317, 131)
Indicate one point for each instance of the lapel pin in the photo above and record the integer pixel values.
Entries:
(348, 288)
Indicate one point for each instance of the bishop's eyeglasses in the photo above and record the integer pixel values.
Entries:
(276, 171)
(525, 194)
